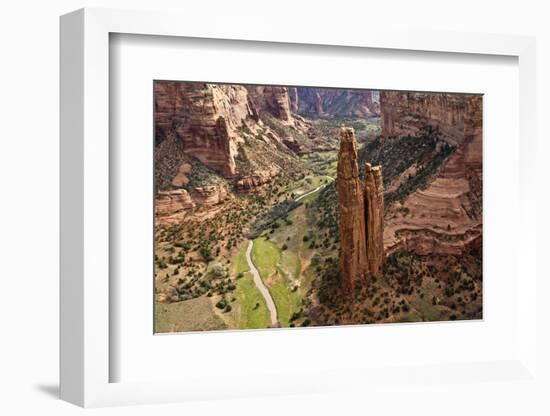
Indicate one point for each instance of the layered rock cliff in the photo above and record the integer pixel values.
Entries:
(325, 102)
(209, 120)
(445, 216)
(404, 113)
(171, 206)
(273, 100)
(245, 135)
(205, 118)
(361, 209)
(253, 182)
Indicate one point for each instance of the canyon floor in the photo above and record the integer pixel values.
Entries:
(204, 280)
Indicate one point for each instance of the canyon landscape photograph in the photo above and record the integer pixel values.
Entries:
(293, 206)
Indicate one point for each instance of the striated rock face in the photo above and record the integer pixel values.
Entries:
(212, 123)
(205, 118)
(253, 183)
(171, 206)
(403, 113)
(361, 215)
(446, 215)
(209, 195)
(271, 99)
(320, 102)
(374, 217)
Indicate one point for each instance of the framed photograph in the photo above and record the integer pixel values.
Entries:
(246, 208)
(289, 207)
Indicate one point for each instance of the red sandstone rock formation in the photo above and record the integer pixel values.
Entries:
(318, 102)
(403, 113)
(171, 206)
(361, 215)
(272, 99)
(445, 216)
(252, 183)
(209, 195)
(181, 178)
(353, 251)
(374, 217)
(211, 121)
(205, 117)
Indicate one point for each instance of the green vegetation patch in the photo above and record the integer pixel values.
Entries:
(266, 256)
(287, 300)
(271, 217)
(201, 175)
(253, 310)
(428, 312)
(290, 263)
(326, 206)
(239, 263)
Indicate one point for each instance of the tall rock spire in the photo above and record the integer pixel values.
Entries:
(353, 249)
(361, 215)
(374, 217)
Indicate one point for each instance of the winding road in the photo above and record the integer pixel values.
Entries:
(256, 274)
(315, 190)
(261, 286)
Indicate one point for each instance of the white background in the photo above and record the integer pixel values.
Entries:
(29, 210)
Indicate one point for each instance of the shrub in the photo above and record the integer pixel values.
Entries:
(206, 253)
(218, 271)
(294, 316)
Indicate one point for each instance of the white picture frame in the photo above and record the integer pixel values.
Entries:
(85, 182)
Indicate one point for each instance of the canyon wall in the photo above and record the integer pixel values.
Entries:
(323, 102)
(404, 113)
(242, 133)
(205, 118)
(445, 216)
(273, 100)
(361, 209)
(172, 206)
